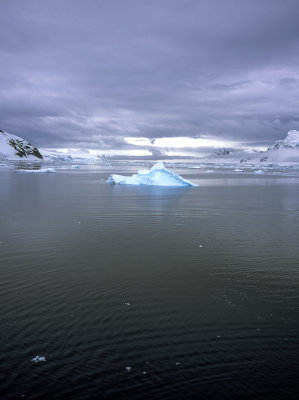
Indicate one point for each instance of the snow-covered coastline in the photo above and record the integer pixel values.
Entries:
(282, 154)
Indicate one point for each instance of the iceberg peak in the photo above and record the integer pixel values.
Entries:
(158, 175)
(158, 165)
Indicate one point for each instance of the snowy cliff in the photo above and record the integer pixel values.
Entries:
(14, 148)
(290, 141)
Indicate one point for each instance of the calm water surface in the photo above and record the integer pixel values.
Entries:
(211, 275)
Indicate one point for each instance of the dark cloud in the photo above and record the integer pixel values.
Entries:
(88, 73)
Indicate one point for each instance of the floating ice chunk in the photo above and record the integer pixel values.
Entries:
(128, 369)
(38, 359)
(158, 175)
(32, 171)
(238, 170)
(144, 372)
(259, 171)
(177, 363)
(75, 166)
(127, 303)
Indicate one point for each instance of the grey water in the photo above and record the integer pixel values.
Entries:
(195, 289)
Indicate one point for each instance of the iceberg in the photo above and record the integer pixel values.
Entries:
(38, 359)
(36, 171)
(158, 175)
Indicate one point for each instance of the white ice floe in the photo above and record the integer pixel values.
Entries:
(158, 175)
(41, 170)
(238, 170)
(128, 369)
(259, 172)
(38, 359)
(127, 303)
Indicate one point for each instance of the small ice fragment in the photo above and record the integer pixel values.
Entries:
(79, 222)
(144, 372)
(209, 171)
(127, 303)
(259, 171)
(177, 363)
(200, 245)
(41, 170)
(238, 170)
(128, 369)
(218, 336)
(38, 359)
(75, 166)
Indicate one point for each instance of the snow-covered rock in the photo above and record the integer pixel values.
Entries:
(158, 175)
(290, 141)
(14, 148)
(222, 152)
(285, 152)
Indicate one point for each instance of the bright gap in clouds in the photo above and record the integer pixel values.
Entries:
(183, 142)
(91, 153)
(137, 152)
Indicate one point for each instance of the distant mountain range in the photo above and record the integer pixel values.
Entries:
(14, 148)
(282, 151)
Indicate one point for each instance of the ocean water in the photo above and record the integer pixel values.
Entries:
(149, 292)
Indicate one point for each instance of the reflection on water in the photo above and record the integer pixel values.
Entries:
(210, 273)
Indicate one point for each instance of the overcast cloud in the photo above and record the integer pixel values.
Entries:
(91, 73)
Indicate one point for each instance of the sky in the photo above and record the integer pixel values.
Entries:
(149, 77)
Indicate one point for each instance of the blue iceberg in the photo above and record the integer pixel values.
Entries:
(158, 175)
